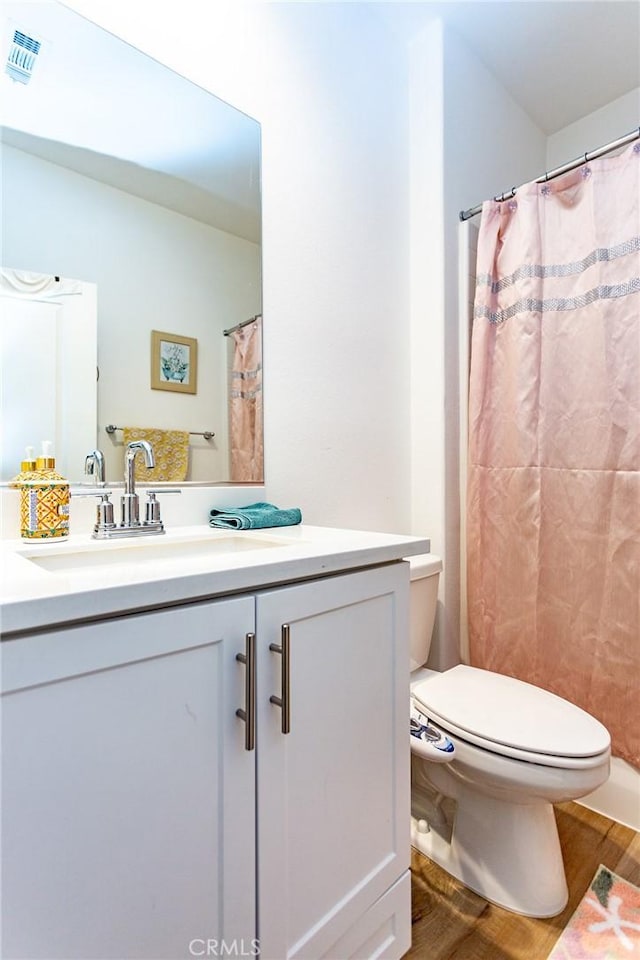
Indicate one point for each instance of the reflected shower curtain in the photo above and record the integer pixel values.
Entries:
(245, 405)
(554, 442)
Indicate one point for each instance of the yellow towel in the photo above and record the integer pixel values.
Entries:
(170, 449)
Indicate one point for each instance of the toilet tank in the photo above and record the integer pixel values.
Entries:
(423, 596)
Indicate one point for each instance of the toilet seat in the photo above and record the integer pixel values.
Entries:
(512, 718)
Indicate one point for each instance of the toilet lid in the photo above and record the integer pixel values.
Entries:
(509, 715)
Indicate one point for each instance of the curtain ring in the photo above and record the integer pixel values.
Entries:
(586, 157)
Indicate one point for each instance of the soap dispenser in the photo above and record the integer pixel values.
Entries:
(44, 498)
(27, 467)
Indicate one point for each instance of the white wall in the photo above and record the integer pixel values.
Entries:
(476, 145)
(610, 122)
(154, 270)
(330, 93)
(427, 287)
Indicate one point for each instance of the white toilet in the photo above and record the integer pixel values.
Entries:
(486, 815)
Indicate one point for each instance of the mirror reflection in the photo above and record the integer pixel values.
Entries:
(122, 178)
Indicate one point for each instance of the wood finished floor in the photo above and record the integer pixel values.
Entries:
(452, 923)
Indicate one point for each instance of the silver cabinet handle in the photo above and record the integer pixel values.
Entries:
(249, 712)
(284, 649)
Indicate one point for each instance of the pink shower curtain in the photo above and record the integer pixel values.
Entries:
(246, 436)
(553, 525)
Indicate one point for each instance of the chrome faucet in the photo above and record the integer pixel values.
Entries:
(94, 466)
(130, 524)
(130, 500)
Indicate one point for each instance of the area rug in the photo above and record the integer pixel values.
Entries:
(606, 923)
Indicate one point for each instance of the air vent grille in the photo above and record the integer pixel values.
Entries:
(23, 56)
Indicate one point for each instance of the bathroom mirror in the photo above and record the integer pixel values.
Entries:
(119, 173)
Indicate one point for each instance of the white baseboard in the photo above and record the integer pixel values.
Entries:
(619, 797)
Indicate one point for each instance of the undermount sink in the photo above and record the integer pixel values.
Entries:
(133, 552)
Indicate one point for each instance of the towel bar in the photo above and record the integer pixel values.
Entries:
(207, 434)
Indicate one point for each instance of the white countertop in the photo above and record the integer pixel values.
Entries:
(55, 582)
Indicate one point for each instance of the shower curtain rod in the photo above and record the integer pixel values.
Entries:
(245, 323)
(558, 171)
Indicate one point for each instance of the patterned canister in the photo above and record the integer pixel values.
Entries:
(44, 502)
(44, 508)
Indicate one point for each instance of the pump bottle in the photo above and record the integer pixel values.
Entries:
(44, 497)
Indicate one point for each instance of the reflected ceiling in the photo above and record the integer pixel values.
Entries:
(201, 154)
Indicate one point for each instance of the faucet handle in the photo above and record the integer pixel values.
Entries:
(104, 518)
(104, 513)
(152, 507)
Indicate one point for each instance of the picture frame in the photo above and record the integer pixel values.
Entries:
(174, 362)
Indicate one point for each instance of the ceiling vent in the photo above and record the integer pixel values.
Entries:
(23, 56)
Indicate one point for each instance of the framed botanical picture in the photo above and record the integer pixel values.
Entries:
(174, 362)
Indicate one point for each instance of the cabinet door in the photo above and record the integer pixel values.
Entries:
(333, 813)
(128, 795)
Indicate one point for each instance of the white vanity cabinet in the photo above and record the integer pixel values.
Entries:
(334, 792)
(128, 799)
(137, 824)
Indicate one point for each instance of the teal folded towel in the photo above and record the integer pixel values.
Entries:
(254, 516)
